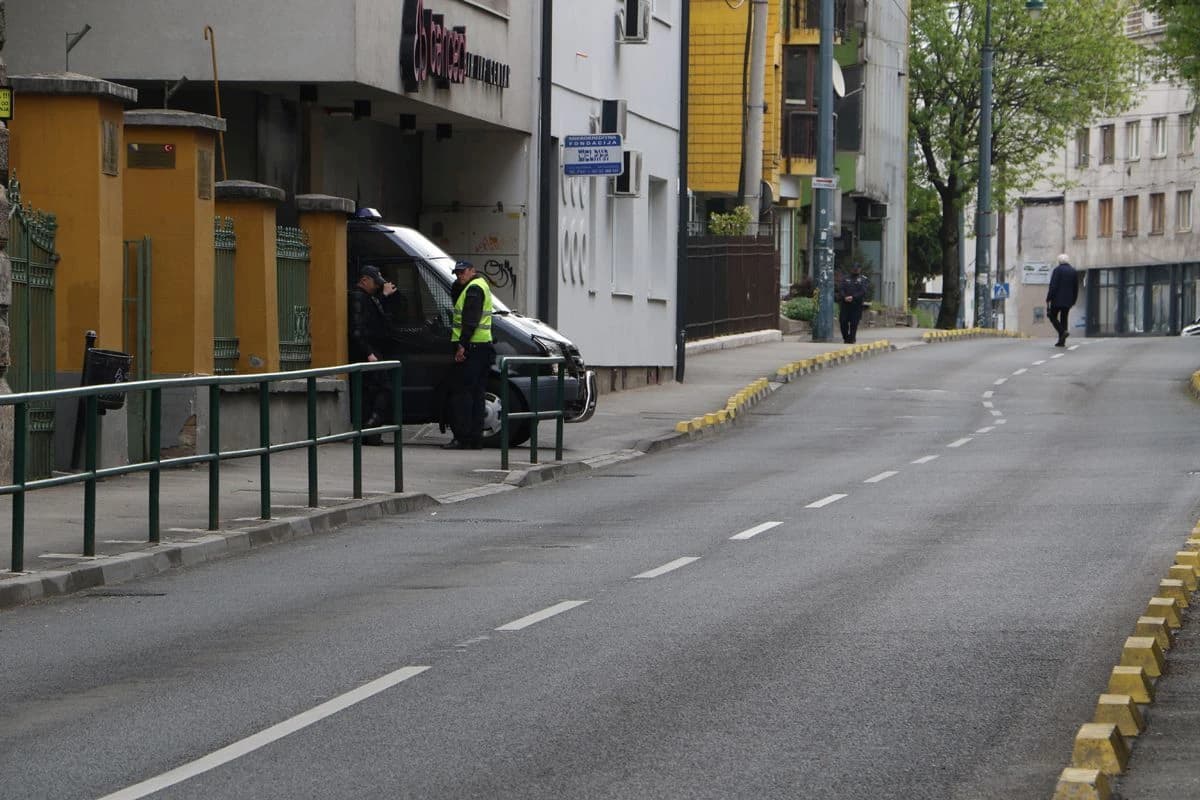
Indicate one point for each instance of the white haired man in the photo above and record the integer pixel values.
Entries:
(1060, 296)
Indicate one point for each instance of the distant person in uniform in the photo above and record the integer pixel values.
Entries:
(1062, 294)
(851, 293)
(471, 337)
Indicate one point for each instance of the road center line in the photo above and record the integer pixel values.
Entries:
(883, 476)
(265, 737)
(1001, 421)
(667, 567)
(988, 429)
(959, 442)
(1020, 371)
(924, 460)
(755, 531)
(988, 404)
(988, 394)
(545, 613)
(1058, 355)
(996, 413)
(1039, 363)
(824, 501)
(999, 381)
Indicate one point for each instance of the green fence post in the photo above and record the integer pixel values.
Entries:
(562, 401)
(20, 435)
(314, 499)
(91, 417)
(214, 450)
(264, 441)
(155, 455)
(503, 413)
(533, 396)
(398, 421)
(356, 404)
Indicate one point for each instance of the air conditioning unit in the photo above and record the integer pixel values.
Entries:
(633, 22)
(628, 183)
(613, 114)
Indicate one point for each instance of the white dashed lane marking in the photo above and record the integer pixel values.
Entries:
(1073, 347)
(988, 404)
(755, 531)
(883, 476)
(545, 613)
(924, 459)
(999, 381)
(996, 413)
(1058, 355)
(668, 567)
(988, 429)
(1001, 421)
(959, 442)
(824, 501)
(988, 394)
(1039, 363)
(1020, 371)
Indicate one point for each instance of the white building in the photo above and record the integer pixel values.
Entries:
(334, 97)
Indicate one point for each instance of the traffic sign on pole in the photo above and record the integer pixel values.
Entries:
(596, 154)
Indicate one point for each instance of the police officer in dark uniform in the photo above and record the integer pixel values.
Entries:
(852, 292)
(471, 337)
(371, 301)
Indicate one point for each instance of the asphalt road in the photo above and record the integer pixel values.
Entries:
(963, 538)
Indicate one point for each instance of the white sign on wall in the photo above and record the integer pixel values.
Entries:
(598, 154)
(1035, 272)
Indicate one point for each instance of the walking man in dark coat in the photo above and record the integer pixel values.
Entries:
(852, 291)
(370, 331)
(1062, 294)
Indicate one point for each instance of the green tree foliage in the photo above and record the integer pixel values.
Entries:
(1052, 74)
(1180, 46)
(735, 223)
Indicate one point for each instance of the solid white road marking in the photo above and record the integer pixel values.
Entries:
(1020, 371)
(1039, 363)
(999, 381)
(988, 394)
(755, 531)
(959, 442)
(824, 501)
(1001, 421)
(996, 413)
(545, 613)
(1058, 355)
(988, 429)
(266, 737)
(883, 476)
(665, 568)
(988, 404)
(1073, 347)
(924, 459)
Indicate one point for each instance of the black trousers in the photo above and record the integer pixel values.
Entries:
(848, 317)
(1058, 318)
(376, 397)
(467, 390)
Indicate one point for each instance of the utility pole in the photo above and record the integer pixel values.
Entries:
(752, 152)
(822, 193)
(983, 216)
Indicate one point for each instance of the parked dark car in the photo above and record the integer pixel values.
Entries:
(422, 274)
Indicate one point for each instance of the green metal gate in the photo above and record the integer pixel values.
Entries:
(225, 339)
(31, 249)
(136, 339)
(291, 269)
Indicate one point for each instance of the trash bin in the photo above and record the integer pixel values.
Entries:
(106, 366)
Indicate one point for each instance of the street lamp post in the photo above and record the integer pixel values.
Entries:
(983, 208)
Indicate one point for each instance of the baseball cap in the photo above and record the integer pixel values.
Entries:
(373, 273)
(459, 266)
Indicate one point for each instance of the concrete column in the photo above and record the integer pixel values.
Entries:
(67, 149)
(252, 208)
(323, 218)
(6, 413)
(169, 196)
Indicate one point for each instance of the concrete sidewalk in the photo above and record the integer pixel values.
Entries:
(626, 425)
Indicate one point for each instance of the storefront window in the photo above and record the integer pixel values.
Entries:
(1106, 306)
(1135, 300)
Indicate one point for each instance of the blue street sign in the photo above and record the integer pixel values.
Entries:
(1000, 291)
(597, 154)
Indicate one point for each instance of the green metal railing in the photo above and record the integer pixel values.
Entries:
(225, 338)
(292, 253)
(537, 362)
(154, 464)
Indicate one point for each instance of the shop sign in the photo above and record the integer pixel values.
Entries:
(431, 49)
(1035, 272)
(6, 103)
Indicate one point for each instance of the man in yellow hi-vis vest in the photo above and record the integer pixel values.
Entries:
(471, 336)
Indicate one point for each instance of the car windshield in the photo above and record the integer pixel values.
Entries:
(417, 244)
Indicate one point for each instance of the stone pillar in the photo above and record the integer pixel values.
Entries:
(323, 218)
(169, 196)
(252, 208)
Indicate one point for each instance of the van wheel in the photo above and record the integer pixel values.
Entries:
(518, 430)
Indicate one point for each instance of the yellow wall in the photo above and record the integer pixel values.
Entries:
(327, 287)
(164, 205)
(55, 152)
(718, 40)
(257, 313)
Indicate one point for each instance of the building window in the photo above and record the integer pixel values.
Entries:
(1104, 227)
(1083, 142)
(1158, 134)
(1108, 146)
(1158, 213)
(1131, 215)
(1081, 210)
(1187, 133)
(1133, 140)
(800, 70)
(1183, 210)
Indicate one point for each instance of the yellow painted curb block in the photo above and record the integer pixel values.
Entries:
(1167, 608)
(683, 427)
(1192, 544)
(722, 416)
(1189, 557)
(1170, 587)
(1099, 745)
(1120, 710)
(710, 420)
(1184, 573)
(1132, 681)
(697, 423)
(1144, 652)
(1156, 627)
(1082, 784)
